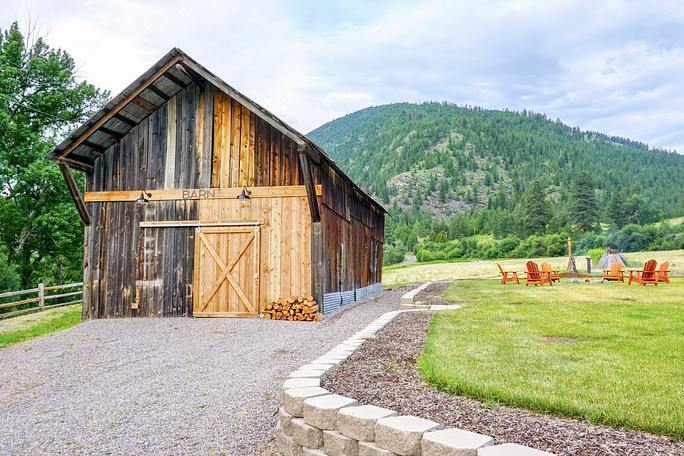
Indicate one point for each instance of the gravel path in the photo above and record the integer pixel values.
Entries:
(160, 386)
(383, 372)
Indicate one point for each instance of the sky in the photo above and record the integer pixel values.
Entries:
(611, 66)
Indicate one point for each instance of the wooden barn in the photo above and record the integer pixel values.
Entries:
(199, 202)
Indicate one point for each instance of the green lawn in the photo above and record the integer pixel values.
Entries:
(609, 353)
(18, 329)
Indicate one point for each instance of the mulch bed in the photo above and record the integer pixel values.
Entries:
(433, 294)
(383, 372)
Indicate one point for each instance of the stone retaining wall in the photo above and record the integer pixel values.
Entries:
(314, 422)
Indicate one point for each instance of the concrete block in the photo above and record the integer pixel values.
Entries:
(285, 420)
(359, 422)
(402, 434)
(336, 444)
(293, 399)
(371, 449)
(326, 360)
(305, 435)
(511, 449)
(307, 373)
(321, 411)
(312, 452)
(287, 445)
(409, 297)
(454, 442)
(334, 357)
(316, 366)
(301, 382)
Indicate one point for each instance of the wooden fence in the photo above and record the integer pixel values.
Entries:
(45, 298)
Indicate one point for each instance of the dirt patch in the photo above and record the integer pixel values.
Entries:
(383, 372)
(433, 294)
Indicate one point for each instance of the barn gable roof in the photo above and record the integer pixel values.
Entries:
(149, 92)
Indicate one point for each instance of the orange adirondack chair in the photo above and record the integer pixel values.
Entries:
(505, 278)
(663, 271)
(614, 274)
(536, 277)
(550, 272)
(646, 275)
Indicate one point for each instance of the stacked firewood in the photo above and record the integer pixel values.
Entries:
(294, 308)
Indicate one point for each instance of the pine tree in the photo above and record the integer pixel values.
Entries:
(535, 211)
(584, 205)
(617, 210)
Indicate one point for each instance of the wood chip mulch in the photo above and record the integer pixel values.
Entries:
(433, 294)
(383, 372)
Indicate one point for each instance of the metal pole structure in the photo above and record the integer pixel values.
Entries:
(588, 265)
(572, 267)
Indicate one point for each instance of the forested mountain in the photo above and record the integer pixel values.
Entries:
(448, 158)
(469, 169)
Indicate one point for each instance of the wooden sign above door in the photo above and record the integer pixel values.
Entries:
(199, 193)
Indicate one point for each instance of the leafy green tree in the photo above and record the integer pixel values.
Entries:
(585, 207)
(617, 210)
(638, 210)
(9, 279)
(40, 100)
(535, 210)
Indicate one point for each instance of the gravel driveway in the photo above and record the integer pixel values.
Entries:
(160, 386)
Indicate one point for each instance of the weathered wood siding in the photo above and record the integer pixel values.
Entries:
(248, 151)
(353, 234)
(125, 264)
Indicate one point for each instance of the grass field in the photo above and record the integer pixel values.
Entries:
(609, 353)
(18, 329)
(422, 272)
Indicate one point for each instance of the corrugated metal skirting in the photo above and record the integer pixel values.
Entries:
(347, 297)
(333, 301)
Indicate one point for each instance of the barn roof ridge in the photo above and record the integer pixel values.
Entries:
(178, 67)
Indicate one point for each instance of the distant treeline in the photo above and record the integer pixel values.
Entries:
(631, 238)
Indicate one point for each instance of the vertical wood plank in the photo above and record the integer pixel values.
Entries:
(244, 159)
(219, 144)
(275, 158)
(170, 169)
(274, 248)
(236, 119)
(251, 153)
(285, 251)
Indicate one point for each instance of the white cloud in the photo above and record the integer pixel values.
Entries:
(610, 66)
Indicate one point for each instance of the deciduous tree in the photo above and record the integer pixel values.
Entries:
(40, 100)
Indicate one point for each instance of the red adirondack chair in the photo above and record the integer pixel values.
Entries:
(536, 277)
(663, 272)
(614, 274)
(505, 277)
(644, 276)
(553, 274)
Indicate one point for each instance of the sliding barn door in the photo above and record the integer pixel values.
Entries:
(226, 281)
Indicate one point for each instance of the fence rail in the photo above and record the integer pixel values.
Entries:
(45, 298)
